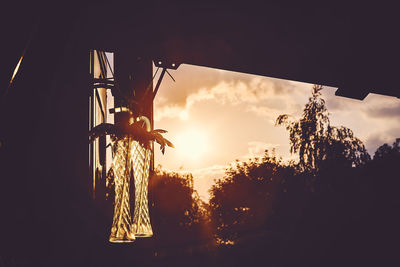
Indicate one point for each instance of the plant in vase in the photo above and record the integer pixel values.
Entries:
(132, 153)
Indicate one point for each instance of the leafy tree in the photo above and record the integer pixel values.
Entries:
(178, 214)
(383, 171)
(243, 201)
(387, 151)
(319, 208)
(317, 142)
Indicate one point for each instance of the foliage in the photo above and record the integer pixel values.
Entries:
(244, 200)
(178, 214)
(134, 130)
(336, 203)
(386, 151)
(317, 142)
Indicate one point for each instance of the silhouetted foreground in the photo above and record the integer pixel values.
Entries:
(338, 217)
(273, 214)
(264, 212)
(335, 207)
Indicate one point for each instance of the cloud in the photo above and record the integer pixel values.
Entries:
(196, 84)
(263, 96)
(249, 90)
(213, 171)
(256, 149)
(371, 119)
(378, 138)
(189, 79)
(391, 110)
(340, 104)
(171, 112)
(373, 106)
(374, 141)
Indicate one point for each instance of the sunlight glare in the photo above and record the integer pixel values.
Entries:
(192, 144)
(184, 115)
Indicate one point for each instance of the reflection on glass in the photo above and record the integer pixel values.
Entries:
(141, 157)
(141, 226)
(121, 230)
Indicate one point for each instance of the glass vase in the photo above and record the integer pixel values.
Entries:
(141, 157)
(141, 226)
(121, 230)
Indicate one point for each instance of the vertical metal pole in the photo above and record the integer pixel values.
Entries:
(91, 125)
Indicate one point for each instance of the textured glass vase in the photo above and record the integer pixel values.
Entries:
(141, 226)
(141, 157)
(121, 230)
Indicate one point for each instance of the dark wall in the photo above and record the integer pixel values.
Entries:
(44, 155)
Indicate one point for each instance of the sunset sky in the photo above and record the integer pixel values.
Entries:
(214, 117)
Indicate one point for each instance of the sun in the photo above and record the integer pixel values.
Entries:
(192, 144)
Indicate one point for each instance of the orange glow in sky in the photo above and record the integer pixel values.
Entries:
(214, 117)
(192, 144)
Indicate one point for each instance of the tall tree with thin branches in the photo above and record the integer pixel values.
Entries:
(317, 142)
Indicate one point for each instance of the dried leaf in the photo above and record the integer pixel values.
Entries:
(160, 131)
(135, 130)
(169, 143)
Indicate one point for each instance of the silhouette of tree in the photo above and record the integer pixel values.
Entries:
(302, 208)
(383, 171)
(387, 151)
(317, 142)
(243, 201)
(179, 216)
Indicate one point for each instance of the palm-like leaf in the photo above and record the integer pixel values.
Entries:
(135, 130)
